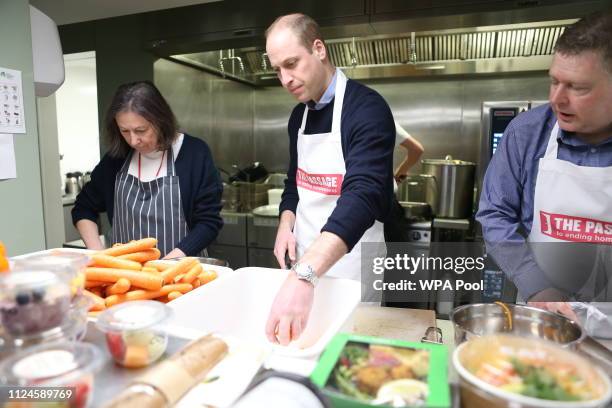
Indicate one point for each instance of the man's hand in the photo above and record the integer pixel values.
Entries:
(285, 240)
(562, 308)
(540, 300)
(290, 310)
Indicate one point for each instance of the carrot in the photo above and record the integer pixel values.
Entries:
(181, 266)
(94, 313)
(92, 284)
(207, 276)
(150, 269)
(150, 254)
(177, 278)
(98, 302)
(121, 286)
(192, 274)
(97, 291)
(178, 287)
(136, 356)
(196, 283)
(147, 294)
(131, 247)
(173, 295)
(107, 261)
(137, 278)
(160, 266)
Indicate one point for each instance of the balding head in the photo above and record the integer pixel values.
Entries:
(305, 28)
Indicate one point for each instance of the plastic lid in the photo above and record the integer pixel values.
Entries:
(51, 363)
(30, 279)
(55, 259)
(134, 315)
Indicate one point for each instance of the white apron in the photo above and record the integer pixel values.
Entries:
(572, 204)
(319, 177)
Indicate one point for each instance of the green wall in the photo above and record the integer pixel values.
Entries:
(21, 209)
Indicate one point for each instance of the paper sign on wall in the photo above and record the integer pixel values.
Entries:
(8, 169)
(12, 117)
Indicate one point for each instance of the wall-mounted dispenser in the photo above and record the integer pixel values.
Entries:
(47, 54)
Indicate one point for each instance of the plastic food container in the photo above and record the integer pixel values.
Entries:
(134, 333)
(61, 364)
(73, 328)
(363, 371)
(70, 266)
(32, 301)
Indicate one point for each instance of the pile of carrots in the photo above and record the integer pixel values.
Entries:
(132, 271)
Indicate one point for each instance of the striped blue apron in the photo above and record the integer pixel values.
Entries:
(149, 209)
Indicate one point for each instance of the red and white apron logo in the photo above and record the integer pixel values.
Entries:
(328, 184)
(576, 229)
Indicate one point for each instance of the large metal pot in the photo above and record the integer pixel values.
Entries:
(453, 188)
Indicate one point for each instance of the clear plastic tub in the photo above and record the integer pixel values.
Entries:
(32, 301)
(73, 328)
(60, 364)
(70, 266)
(134, 333)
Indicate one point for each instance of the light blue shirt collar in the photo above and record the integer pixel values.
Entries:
(327, 97)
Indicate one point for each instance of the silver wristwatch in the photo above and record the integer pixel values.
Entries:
(306, 273)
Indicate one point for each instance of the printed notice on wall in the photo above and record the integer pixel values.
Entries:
(12, 119)
(8, 169)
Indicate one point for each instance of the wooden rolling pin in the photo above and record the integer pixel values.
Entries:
(167, 382)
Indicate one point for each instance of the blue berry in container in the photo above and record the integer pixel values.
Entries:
(32, 301)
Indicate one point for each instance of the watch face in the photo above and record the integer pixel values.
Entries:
(305, 272)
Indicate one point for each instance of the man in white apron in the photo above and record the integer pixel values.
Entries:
(339, 184)
(553, 170)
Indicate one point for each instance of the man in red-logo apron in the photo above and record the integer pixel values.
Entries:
(340, 180)
(549, 183)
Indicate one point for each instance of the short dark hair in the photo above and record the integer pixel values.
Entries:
(304, 27)
(143, 98)
(592, 33)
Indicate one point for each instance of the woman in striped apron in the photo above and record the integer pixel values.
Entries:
(154, 181)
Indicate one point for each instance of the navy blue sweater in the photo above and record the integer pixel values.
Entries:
(201, 191)
(368, 138)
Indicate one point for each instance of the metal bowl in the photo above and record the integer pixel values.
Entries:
(205, 260)
(480, 319)
(213, 261)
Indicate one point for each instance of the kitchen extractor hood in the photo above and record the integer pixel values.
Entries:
(478, 50)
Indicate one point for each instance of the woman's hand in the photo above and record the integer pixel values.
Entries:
(175, 253)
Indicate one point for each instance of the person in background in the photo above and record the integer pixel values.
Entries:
(339, 184)
(396, 226)
(552, 172)
(414, 151)
(153, 182)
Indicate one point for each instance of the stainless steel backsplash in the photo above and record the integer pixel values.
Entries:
(244, 124)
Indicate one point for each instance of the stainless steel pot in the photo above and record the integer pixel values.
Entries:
(453, 188)
(414, 188)
(416, 211)
(480, 319)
